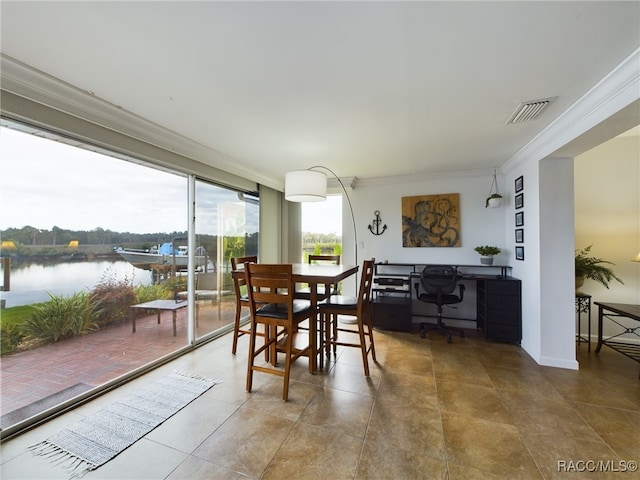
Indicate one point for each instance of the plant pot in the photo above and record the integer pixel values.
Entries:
(486, 260)
(495, 202)
(579, 282)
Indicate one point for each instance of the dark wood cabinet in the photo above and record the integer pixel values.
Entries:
(500, 309)
(391, 307)
(392, 312)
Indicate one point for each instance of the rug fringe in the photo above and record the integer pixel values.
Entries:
(76, 466)
(194, 376)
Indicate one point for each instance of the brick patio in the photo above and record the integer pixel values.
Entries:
(36, 379)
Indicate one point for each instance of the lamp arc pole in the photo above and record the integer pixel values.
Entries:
(353, 218)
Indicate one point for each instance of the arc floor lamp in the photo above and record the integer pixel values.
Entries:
(311, 186)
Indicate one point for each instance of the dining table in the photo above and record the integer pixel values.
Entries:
(314, 275)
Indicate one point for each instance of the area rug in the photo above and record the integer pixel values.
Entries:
(98, 438)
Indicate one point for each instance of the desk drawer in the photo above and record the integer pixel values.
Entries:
(503, 287)
(507, 302)
(390, 316)
(503, 317)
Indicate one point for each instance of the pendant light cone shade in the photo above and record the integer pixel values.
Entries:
(305, 186)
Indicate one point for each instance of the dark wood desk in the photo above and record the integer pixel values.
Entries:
(158, 305)
(612, 311)
(314, 275)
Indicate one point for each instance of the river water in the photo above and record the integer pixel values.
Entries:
(31, 283)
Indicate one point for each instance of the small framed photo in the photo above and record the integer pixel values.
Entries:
(519, 184)
(519, 253)
(520, 200)
(519, 235)
(519, 219)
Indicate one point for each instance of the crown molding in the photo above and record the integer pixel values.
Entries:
(25, 81)
(425, 177)
(617, 90)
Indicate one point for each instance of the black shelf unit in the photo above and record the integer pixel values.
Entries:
(391, 309)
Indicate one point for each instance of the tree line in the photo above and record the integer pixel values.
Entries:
(29, 235)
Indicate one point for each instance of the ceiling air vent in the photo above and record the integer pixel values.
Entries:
(529, 111)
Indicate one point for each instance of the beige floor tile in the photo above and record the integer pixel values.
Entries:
(472, 400)
(519, 379)
(162, 460)
(407, 390)
(188, 428)
(246, 442)
(545, 416)
(314, 452)
(466, 472)
(194, 468)
(350, 378)
(342, 411)
(620, 429)
(268, 398)
(583, 387)
(488, 446)
(417, 429)
(409, 362)
(556, 453)
(383, 461)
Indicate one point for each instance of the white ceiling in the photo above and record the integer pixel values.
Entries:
(368, 89)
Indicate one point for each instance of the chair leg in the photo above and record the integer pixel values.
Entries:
(440, 326)
(236, 329)
(287, 367)
(372, 346)
(252, 356)
(363, 347)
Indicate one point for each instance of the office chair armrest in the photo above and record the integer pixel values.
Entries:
(462, 289)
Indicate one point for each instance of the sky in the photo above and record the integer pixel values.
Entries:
(44, 183)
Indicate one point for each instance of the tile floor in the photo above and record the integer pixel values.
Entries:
(466, 410)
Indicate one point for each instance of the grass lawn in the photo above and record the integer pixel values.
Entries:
(15, 315)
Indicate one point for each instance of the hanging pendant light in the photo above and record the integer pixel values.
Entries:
(494, 200)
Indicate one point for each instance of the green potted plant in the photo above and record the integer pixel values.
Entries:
(494, 200)
(594, 268)
(486, 253)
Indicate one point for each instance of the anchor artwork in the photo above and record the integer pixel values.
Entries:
(431, 220)
(377, 221)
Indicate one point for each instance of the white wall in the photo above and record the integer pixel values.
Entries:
(479, 225)
(557, 303)
(607, 216)
(607, 204)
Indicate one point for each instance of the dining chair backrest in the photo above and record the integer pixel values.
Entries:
(237, 262)
(242, 299)
(366, 282)
(270, 284)
(332, 259)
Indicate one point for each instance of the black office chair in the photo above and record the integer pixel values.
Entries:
(438, 283)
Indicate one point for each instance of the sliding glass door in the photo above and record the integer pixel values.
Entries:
(226, 226)
(96, 248)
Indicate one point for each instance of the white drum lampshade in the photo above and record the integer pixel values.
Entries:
(305, 186)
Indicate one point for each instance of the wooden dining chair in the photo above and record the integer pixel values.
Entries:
(273, 305)
(359, 307)
(242, 299)
(322, 294)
